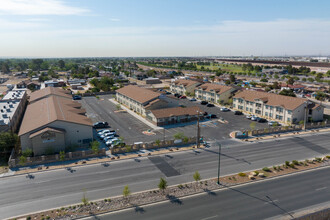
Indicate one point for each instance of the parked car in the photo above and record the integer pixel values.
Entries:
(254, 118)
(273, 123)
(210, 105)
(238, 113)
(176, 95)
(107, 138)
(101, 124)
(193, 100)
(205, 113)
(261, 120)
(183, 97)
(76, 97)
(108, 134)
(109, 142)
(249, 116)
(168, 93)
(103, 132)
(223, 109)
(204, 103)
(211, 116)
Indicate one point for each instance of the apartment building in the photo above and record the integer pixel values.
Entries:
(12, 107)
(52, 122)
(184, 86)
(168, 116)
(214, 93)
(140, 99)
(280, 108)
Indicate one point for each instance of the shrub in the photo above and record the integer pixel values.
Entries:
(197, 176)
(287, 163)
(126, 191)
(292, 165)
(162, 184)
(234, 178)
(328, 157)
(157, 142)
(274, 168)
(22, 160)
(256, 172)
(95, 146)
(62, 155)
(84, 200)
(318, 159)
(295, 162)
(242, 174)
(49, 151)
(28, 218)
(27, 152)
(266, 169)
(185, 139)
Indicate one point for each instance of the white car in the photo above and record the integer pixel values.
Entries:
(107, 138)
(224, 109)
(108, 134)
(273, 123)
(109, 142)
(102, 132)
(254, 118)
(249, 116)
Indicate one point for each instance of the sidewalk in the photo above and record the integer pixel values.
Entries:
(96, 160)
(279, 135)
(136, 115)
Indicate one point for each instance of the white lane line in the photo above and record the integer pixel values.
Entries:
(272, 201)
(210, 217)
(322, 188)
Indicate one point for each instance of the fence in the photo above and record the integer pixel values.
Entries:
(154, 145)
(15, 162)
(281, 129)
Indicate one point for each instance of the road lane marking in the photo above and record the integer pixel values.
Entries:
(322, 188)
(209, 217)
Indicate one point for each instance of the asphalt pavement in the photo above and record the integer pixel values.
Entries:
(275, 198)
(24, 194)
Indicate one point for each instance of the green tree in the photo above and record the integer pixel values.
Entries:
(287, 92)
(95, 146)
(232, 78)
(162, 184)
(290, 81)
(179, 136)
(118, 106)
(5, 67)
(157, 142)
(197, 176)
(61, 64)
(126, 192)
(8, 141)
(27, 152)
(62, 155)
(22, 160)
(84, 199)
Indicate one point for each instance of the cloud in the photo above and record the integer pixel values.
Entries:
(19, 25)
(114, 19)
(39, 7)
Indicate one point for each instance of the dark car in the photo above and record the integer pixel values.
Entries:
(168, 93)
(76, 97)
(210, 105)
(204, 102)
(182, 97)
(261, 120)
(101, 124)
(205, 113)
(238, 113)
(176, 95)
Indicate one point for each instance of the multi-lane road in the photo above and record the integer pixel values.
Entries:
(44, 190)
(283, 198)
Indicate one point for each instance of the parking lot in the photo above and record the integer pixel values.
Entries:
(133, 130)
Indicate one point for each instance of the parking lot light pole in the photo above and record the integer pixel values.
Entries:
(218, 182)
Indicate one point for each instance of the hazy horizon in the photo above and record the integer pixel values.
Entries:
(155, 28)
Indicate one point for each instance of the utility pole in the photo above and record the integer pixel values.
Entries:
(197, 139)
(218, 182)
(164, 134)
(305, 115)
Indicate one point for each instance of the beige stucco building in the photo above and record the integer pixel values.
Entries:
(184, 87)
(275, 107)
(214, 93)
(140, 99)
(54, 122)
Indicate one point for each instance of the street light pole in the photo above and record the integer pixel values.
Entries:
(219, 164)
(305, 115)
(197, 139)
(164, 134)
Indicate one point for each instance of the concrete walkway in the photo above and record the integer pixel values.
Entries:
(155, 127)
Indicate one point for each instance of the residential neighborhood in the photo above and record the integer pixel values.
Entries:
(158, 110)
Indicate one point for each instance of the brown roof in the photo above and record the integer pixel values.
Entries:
(46, 129)
(177, 111)
(272, 99)
(216, 87)
(138, 94)
(50, 109)
(186, 82)
(49, 91)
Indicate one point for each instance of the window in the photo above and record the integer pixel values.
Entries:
(271, 107)
(234, 105)
(288, 119)
(271, 115)
(258, 105)
(258, 112)
(278, 109)
(247, 109)
(240, 107)
(266, 114)
(251, 110)
(289, 112)
(267, 106)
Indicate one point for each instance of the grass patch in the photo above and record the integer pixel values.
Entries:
(242, 174)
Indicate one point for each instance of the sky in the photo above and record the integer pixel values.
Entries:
(140, 28)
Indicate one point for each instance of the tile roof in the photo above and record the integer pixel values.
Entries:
(186, 82)
(177, 111)
(138, 94)
(50, 109)
(272, 99)
(57, 130)
(219, 89)
(49, 91)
